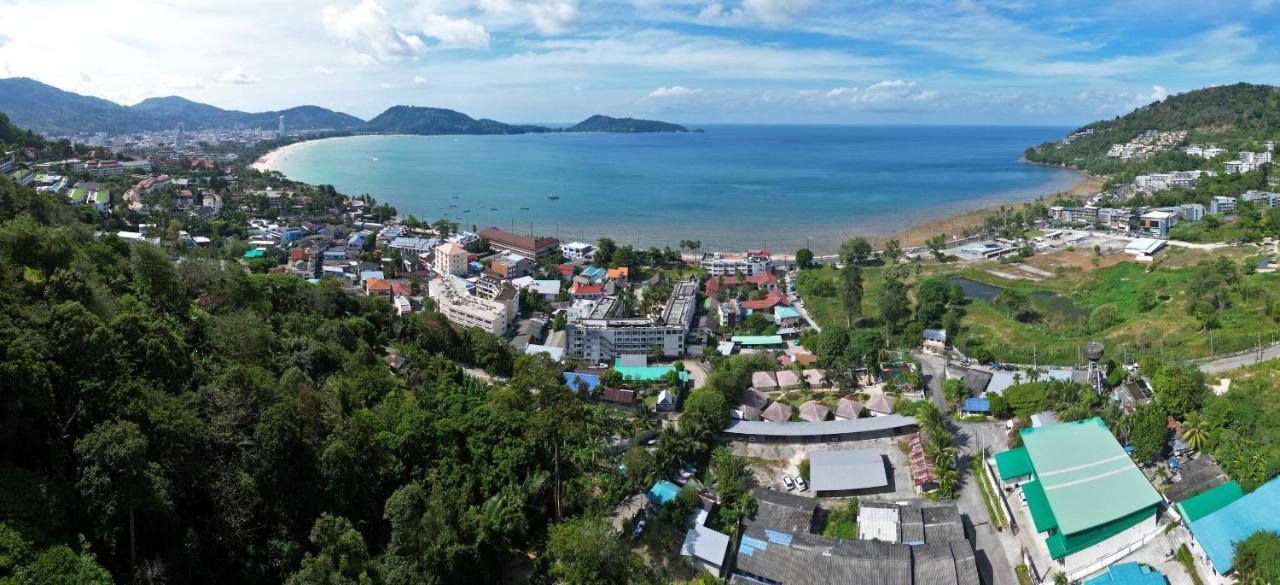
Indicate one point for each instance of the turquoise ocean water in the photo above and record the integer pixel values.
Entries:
(732, 187)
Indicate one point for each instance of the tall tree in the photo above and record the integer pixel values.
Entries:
(851, 292)
(855, 251)
(340, 558)
(117, 478)
(895, 306)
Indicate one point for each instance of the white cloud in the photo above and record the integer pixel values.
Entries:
(322, 70)
(1158, 93)
(236, 76)
(675, 90)
(770, 12)
(4, 40)
(554, 17)
(366, 30)
(419, 80)
(454, 33)
(895, 90)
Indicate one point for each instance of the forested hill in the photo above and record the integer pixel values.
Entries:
(431, 121)
(602, 123)
(1234, 116)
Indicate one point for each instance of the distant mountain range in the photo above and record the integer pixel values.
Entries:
(49, 110)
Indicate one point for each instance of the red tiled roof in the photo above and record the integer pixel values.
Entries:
(400, 288)
(762, 279)
(775, 298)
(379, 284)
(587, 289)
(566, 270)
(497, 236)
(298, 254)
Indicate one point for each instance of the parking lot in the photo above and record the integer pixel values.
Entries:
(768, 462)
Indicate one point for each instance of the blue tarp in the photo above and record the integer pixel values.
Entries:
(663, 492)
(977, 405)
(1234, 522)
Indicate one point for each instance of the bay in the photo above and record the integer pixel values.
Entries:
(731, 187)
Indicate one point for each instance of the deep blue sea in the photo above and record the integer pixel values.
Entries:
(732, 187)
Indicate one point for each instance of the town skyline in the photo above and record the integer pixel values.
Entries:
(776, 61)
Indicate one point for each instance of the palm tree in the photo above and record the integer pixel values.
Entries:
(948, 479)
(1193, 433)
(645, 417)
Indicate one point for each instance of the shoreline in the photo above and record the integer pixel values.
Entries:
(263, 163)
(913, 235)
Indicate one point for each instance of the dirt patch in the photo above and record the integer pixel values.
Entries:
(1078, 259)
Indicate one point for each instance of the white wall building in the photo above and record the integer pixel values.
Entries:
(596, 332)
(577, 251)
(458, 305)
(749, 263)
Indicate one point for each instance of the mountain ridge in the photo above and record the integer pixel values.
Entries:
(50, 110)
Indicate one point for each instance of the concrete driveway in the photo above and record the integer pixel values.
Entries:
(996, 551)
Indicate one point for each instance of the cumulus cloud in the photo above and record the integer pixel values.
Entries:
(454, 33)
(419, 80)
(236, 76)
(322, 70)
(555, 17)
(1158, 93)
(673, 91)
(366, 29)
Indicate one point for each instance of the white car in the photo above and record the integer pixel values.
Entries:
(801, 484)
(786, 481)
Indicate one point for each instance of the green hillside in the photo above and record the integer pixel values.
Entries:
(1236, 117)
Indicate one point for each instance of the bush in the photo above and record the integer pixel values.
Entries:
(804, 469)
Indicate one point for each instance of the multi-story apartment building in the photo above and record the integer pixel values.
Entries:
(490, 309)
(749, 263)
(597, 332)
(450, 259)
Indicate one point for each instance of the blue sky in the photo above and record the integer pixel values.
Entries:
(695, 61)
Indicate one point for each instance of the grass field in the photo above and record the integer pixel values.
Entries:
(1066, 300)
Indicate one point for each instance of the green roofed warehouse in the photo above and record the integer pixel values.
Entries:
(1088, 501)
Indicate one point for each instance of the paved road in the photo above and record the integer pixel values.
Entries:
(932, 369)
(993, 549)
(805, 314)
(1239, 361)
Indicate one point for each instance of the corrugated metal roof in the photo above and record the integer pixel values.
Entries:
(852, 469)
(1259, 510)
(1197, 507)
(706, 544)
(828, 427)
(1086, 476)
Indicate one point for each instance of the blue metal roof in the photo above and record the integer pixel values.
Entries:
(935, 334)
(1259, 510)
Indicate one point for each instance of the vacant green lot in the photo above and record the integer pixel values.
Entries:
(1064, 303)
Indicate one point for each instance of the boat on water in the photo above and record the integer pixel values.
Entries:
(553, 196)
(525, 208)
(493, 209)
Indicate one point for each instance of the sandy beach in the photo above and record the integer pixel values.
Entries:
(265, 161)
(950, 225)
